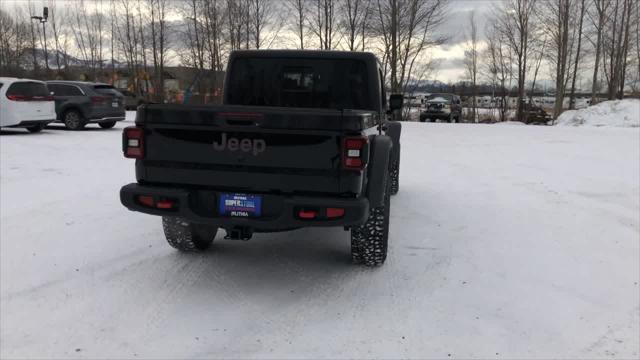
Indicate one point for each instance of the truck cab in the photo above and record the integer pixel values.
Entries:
(301, 140)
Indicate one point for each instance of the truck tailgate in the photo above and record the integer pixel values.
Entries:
(248, 148)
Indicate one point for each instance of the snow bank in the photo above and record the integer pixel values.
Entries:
(615, 113)
(510, 122)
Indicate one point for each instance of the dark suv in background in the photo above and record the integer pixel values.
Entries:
(79, 103)
(446, 107)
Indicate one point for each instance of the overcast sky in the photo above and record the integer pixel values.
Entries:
(450, 55)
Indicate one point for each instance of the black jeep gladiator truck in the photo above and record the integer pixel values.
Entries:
(302, 139)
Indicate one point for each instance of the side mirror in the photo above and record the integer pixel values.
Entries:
(395, 102)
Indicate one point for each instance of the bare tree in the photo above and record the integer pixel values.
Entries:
(299, 8)
(265, 22)
(158, 11)
(616, 46)
(322, 22)
(601, 7)
(514, 22)
(406, 29)
(577, 58)
(14, 36)
(499, 66)
(354, 17)
(471, 62)
(58, 25)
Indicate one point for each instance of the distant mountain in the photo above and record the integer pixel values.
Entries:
(72, 61)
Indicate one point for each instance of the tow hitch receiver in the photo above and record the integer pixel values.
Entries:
(239, 233)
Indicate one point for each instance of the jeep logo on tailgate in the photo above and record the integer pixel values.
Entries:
(245, 145)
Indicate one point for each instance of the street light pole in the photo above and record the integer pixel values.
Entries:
(43, 19)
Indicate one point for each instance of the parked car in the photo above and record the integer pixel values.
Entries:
(535, 115)
(79, 103)
(446, 107)
(131, 99)
(301, 140)
(25, 103)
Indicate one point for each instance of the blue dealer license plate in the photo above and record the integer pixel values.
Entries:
(240, 205)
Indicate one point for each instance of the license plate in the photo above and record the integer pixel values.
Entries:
(240, 205)
(114, 104)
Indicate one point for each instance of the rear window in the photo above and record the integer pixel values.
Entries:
(306, 83)
(28, 88)
(106, 90)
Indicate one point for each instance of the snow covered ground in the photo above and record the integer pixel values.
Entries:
(506, 242)
(617, 113)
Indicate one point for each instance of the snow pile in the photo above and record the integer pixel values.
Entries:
(510, 122)
(615, 113)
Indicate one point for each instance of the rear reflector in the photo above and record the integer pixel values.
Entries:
(165, 204)
(146, 200)
(335, 212)
(307, 214)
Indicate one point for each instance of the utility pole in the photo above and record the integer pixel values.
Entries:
(43, 19)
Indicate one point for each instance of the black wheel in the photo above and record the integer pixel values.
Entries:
(73, 120)
(186, 236)
(432, 119)
(107, 124)
(369, 241)
(35, 128)
(452, 119)
(394, 177)
(423, 119)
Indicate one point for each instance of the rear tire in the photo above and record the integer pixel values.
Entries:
(73, 120)
(186, 236)
(107, 125)
(394, 177)
(35, 128)
(369, 242)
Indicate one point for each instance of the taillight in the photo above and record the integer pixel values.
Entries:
(17, 97)
(353, 152)
(133, 142)
(29, 98)
(98, 99)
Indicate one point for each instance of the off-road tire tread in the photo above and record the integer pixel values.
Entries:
(394, 177)
(186, 236)
(369, 241)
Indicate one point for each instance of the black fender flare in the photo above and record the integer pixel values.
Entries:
(393, 129)
(378, 170)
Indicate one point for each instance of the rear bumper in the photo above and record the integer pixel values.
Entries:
(28, 123)
(278, 211)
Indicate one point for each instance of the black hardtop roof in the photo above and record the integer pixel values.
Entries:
(315, 54)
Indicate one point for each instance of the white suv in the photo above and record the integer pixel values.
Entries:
(25, 103)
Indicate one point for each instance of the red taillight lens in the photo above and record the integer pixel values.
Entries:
(333, 213)
(307, 214)
(99, 99)
(17, 97)
(353, 153)
(146, 200)
(165, 204)
(133, 142)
